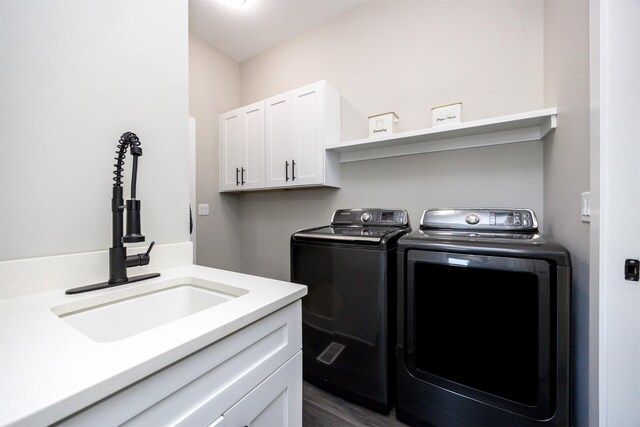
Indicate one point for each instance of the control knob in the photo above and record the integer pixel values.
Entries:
(472, 219)
(366, 217)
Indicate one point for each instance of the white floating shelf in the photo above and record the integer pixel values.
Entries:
(521, 127)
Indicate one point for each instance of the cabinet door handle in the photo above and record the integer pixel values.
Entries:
(242, 181)
(293, 170)
(237, 180)
(286, 171)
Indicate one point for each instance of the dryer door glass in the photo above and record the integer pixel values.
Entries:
(481, 326)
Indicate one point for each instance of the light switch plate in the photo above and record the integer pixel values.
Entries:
(586, 206)
(203, 209)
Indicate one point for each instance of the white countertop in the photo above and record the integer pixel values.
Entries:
(48, 370)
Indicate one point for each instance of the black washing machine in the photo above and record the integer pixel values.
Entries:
(348, 315)
(483, 321)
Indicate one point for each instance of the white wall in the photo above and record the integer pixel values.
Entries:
(75, 76)
(405, 57)
(566, 166)
(214, 89)
(409, 56)
(615, 233)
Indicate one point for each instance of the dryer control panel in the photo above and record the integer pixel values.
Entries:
(499, 219)
(371, 216)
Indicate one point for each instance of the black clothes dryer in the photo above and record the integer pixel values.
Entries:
(348, 315)
(483, 321)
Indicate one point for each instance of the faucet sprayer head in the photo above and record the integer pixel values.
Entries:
(134, 233)
(130, 140)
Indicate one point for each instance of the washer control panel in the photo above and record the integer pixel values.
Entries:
(501, 219)
(371, 216)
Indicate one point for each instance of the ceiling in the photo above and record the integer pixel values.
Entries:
(244, 31)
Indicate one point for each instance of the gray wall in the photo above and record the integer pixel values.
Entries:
(492, 176)
(74, 77)
(566, 166)
(405, 57)
(214, 88)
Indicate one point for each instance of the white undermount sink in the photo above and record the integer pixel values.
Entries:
(129, 311)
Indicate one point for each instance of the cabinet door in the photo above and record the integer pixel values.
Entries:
(229, 141)
(217, 423)
(308, 135)
(278, 140)
(251, 147)
(277, 401)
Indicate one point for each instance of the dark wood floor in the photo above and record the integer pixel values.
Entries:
(321, 409)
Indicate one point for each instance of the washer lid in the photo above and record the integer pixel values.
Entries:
(347, 234)
(472, 235)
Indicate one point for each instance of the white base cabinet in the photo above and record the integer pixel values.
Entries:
(275, 402)
(252, 377)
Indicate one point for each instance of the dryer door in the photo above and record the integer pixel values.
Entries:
(484, 327)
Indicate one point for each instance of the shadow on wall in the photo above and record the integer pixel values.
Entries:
(500, 176)
(270, 218)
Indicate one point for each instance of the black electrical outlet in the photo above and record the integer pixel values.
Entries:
(632, 269)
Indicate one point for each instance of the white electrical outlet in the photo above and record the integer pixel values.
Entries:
(203, 209)
(586, 206)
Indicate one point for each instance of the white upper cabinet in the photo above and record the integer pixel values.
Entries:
(229, 142)
(307, 148)
(242, 148)
(299, 125)
(280, 142)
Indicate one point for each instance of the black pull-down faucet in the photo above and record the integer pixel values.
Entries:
(118, 259)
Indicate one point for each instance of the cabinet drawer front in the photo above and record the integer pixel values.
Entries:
(205, 384)
(275, 402)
